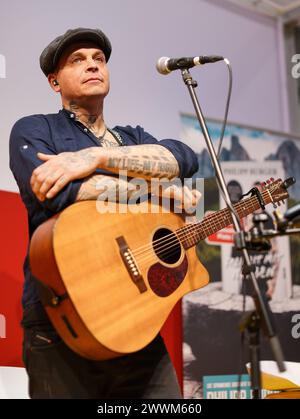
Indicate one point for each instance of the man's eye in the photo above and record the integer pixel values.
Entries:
(77, 60)
(100, 59)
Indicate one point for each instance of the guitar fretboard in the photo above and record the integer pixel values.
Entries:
(191, 234)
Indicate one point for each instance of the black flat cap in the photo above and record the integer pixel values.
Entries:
(50, 56)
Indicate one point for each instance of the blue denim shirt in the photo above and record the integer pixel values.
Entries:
(54, 134)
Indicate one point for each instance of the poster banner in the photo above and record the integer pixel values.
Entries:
(272, 267)
(214, 350)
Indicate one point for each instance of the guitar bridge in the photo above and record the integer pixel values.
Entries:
(131, 265)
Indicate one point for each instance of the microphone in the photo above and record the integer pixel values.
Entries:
(165, 65)
(292, 213)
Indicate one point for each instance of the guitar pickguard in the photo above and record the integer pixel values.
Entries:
(165, 280)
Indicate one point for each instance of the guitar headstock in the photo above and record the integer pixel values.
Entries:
(276, 190)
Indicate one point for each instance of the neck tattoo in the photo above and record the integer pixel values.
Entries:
(101, 137)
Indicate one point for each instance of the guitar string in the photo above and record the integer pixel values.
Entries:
(199, 238)
(169, 250)
(166, 253)
(208, 219)
(181, 234)
(180, 237)
(151, 253)
(174, 238)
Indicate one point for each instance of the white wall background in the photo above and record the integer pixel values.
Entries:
(142, 31)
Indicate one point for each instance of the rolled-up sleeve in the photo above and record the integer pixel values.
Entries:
(185, 156)
(29, 136)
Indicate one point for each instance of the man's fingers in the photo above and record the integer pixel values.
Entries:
(43, 181)
(40, 173)
(197, 195)
(190, 199)
(59, 185)
(45, 157)
(184, 194)
(36, 181)
(49, 181)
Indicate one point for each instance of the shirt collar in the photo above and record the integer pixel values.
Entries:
(69, 114)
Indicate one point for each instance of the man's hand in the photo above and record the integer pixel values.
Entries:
(184, 197)
(58, 170)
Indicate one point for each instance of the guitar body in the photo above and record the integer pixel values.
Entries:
(121, 274)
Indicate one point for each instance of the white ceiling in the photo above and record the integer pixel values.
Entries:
(273, 8)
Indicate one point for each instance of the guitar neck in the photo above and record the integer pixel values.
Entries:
(191, 234)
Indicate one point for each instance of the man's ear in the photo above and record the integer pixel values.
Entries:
(52, 79)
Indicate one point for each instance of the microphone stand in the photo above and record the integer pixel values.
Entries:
(262, 307)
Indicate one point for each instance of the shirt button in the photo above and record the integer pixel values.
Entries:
(25, 146)
(72, 115)
(85, 130)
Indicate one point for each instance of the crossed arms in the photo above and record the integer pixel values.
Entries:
(144, 161)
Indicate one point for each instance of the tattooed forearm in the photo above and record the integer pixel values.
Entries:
(87, 190)
(144, 161)
(103, 187)
(57, 171)
(147, 167)
(80, 158)
(113, 189)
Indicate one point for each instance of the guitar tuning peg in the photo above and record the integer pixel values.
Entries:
(272, 179)
(279, 203)
(268, 181)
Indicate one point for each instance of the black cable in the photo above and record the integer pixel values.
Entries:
(227, 106)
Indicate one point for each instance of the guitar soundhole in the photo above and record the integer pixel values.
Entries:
(166, 245)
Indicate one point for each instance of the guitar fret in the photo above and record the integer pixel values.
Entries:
(218, 220)
(193, 233)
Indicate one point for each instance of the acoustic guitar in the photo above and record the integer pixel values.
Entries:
(108, 281)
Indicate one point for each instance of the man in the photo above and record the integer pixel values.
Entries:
(62, 158)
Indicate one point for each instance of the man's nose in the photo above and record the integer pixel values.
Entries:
(92, 64)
